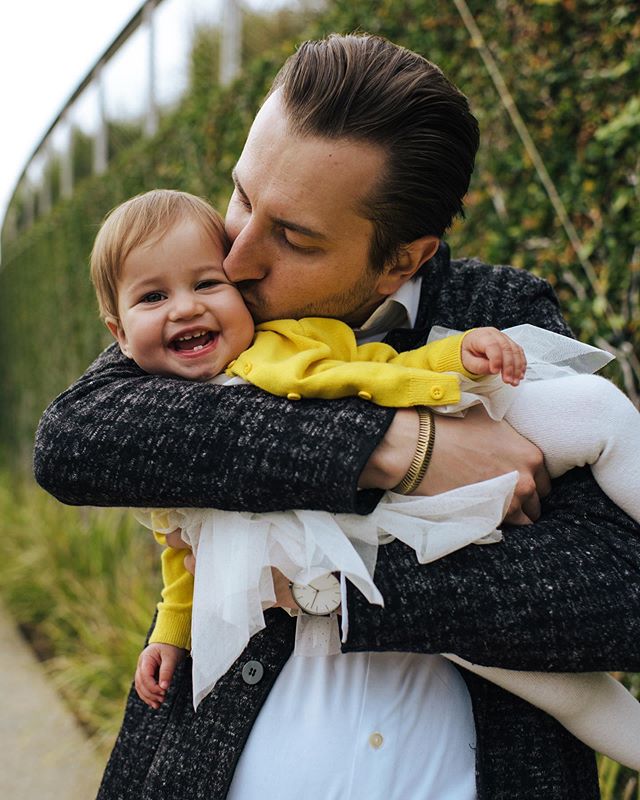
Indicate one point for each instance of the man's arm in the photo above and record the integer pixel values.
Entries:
(562, 594)
(120, 437)
(466, 451)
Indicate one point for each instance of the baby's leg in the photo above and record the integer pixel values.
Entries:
(592, 706)
(584, 419)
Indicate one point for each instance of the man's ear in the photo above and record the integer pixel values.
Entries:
(117, 331)
(410, 258)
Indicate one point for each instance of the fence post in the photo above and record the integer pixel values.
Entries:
(44, 192)
(29, 203)
(100, 143)
(151, 118)
(66, 163)
(230, 41)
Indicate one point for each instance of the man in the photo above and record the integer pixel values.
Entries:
(352, 171)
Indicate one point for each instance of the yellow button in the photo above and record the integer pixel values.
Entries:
(293, 396)
(247, 368)
(376, 740)
(231, 363)
(437, 392)
(364, 395)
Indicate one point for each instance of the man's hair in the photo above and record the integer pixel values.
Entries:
(367, 89)
(143, 219)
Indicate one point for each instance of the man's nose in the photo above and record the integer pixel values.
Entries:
(248, 259)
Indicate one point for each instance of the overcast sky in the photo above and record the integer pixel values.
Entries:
(46, 48)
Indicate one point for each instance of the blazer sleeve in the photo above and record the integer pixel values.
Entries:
(562, 594)
(120, 437)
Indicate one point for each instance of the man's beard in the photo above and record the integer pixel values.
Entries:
(354, 306)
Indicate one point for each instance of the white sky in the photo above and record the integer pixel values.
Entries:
(46, 48)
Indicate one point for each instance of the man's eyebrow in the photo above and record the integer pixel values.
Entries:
(236, 182)
(285, 223)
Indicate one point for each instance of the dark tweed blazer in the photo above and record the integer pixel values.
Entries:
(563, 594)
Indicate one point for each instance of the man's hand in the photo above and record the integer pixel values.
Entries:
(466, 451)
(154, 672)
(477, 448)
(284, 598)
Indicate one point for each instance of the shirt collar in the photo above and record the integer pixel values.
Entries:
(399, 310)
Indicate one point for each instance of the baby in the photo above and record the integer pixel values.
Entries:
(157, 265)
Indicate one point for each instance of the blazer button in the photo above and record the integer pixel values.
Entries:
(293, 396)
(364, 395)
(436, 392)
(252, 672)
(247, 368)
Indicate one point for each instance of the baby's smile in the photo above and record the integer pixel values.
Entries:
(195, 342)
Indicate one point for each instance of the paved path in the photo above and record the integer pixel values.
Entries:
(43, 753)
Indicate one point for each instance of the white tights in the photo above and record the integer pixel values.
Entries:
(584, 419)
(592, 705)
(579, 420)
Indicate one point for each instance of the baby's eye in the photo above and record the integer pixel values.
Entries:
(207, 284)
(152, 297)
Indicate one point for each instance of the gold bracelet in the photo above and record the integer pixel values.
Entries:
(422, 456)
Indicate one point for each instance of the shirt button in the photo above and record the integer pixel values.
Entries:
(252, 672)
(376, 740)
(293, 396)
(436, 392)
(364, 395)
(247, 368)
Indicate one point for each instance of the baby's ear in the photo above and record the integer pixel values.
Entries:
(117, 331)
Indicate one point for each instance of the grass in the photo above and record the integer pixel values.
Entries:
(82, 584)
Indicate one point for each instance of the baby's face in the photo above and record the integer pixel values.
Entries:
(179, 315)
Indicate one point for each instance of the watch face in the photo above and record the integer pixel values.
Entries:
(320, 597)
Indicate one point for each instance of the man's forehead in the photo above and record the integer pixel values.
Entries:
(318, 178)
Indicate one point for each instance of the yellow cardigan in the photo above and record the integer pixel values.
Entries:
(320, 358)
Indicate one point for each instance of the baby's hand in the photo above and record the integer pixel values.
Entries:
(487, 351)
(154, 672)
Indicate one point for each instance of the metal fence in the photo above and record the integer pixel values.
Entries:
(141, 75)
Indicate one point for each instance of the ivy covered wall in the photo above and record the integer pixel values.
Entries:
(573, 68)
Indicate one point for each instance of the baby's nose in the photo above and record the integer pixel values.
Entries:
(186, 307)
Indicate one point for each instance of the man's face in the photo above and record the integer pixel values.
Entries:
(300, 242)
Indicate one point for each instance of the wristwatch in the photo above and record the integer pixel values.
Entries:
(320, 597)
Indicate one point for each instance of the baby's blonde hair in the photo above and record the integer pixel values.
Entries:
(142, 220)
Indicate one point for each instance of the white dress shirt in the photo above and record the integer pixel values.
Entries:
(370, 726)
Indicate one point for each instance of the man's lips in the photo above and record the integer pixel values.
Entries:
(195, 343)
